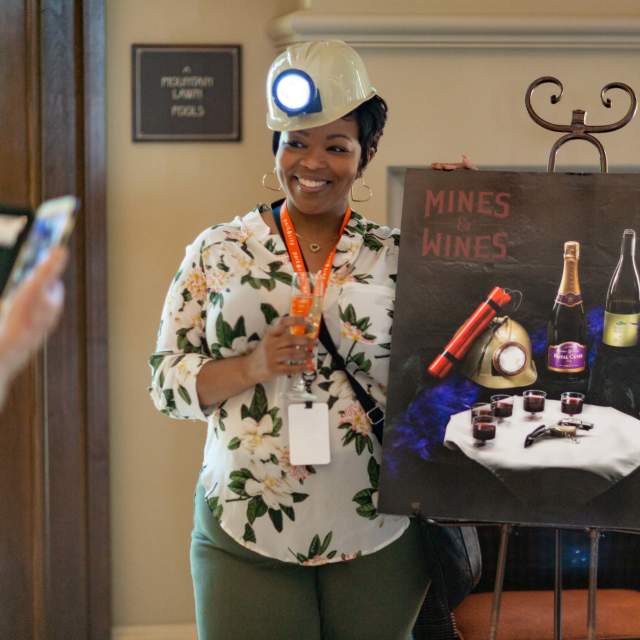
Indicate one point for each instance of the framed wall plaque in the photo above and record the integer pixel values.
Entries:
(186, 93)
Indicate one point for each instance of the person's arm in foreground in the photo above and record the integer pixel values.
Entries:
(31, 314)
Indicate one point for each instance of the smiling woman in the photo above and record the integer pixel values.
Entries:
(308, 536)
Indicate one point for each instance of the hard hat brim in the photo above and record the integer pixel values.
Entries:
(311, 120)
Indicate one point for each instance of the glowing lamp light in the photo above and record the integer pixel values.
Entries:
(510, 359)
(295, 92)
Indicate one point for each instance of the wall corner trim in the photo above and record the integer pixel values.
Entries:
(463, 31)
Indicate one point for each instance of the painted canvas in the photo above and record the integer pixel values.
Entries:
(514, 390)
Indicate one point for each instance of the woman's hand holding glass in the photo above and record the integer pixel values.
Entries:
(278, 354)
(286, 349)
(281, 351)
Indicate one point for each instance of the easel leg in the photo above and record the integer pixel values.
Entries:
(557, 591)
(505, 530)
(594, 534)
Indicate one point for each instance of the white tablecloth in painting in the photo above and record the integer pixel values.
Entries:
(553, 468)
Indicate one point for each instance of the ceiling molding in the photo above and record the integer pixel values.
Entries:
(436, 31)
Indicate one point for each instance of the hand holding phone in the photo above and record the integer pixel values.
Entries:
(31, 300)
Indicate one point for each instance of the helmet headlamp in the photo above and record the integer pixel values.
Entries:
(294, 92)
(510, 359)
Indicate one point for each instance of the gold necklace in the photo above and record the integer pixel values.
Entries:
(313, 246)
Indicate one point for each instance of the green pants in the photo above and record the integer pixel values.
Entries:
(241, 595)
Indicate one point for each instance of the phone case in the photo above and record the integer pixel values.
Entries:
(9, 252)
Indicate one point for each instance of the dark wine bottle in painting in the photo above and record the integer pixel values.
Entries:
(567, 327)
(622, 307)
(614, 380)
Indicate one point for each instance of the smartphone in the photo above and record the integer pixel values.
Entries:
(52, 225)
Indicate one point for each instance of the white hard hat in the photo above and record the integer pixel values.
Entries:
(314, 83)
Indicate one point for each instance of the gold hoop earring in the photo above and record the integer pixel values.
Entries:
(265, 179)
(362, 186)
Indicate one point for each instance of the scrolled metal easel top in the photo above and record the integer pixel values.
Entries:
(579, 129)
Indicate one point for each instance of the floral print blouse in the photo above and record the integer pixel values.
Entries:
(233, 282)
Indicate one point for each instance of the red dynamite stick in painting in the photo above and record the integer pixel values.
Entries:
(464, 337)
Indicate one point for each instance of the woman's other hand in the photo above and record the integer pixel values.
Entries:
(452, 166)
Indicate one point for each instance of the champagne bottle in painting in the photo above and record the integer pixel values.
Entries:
(567, 327)
(622, 307)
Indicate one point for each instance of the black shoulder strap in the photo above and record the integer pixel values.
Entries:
(374, 413)
(370, 406)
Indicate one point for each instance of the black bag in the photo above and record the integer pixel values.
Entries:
(455, 566)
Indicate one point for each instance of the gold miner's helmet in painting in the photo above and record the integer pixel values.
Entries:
(501, 356)
(313, 83)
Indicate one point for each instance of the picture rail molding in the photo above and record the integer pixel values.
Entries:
(460, 31)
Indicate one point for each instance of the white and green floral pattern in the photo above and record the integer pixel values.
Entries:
(233, 282)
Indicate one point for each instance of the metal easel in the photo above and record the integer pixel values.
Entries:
(577, 130)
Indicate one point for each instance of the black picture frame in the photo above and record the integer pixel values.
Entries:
(186, 92)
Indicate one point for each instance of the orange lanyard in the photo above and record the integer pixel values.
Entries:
(293, 246)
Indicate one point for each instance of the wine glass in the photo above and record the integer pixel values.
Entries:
(307, 293)
(571, 402)
(481, 409)
(502, 405)
(484, 428)
(533, 401)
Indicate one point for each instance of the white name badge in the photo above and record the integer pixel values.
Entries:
(309, 434)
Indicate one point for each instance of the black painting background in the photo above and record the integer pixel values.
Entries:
(436, 295)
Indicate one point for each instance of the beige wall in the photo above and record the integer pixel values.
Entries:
(443, 101)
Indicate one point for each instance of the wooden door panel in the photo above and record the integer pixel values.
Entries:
(54, 518)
